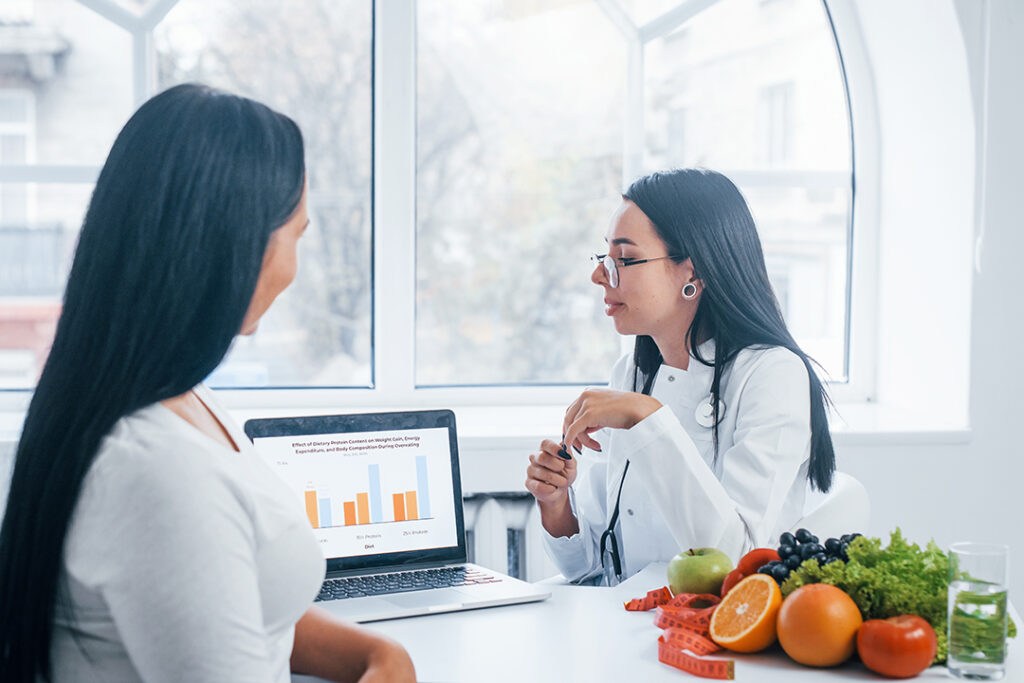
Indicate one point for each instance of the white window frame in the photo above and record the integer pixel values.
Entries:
(394, 201)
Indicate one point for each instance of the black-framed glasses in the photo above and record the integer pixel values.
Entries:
(612, 265)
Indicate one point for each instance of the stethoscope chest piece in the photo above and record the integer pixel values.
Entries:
(705, 413)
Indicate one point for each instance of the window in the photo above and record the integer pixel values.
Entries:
(519, 161)
(310, 59)
(15, 143)
(530, 118)
(775, 125)
(16, 11)
(35, 255)
(85, 68)
(676, 142)
(762, 88)
(55, 116)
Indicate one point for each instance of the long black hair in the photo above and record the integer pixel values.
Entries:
(701, 215)
(166, 265)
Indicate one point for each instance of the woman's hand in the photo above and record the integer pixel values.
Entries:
(548, 477)
(599, 408)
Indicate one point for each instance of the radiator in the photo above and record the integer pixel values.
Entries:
(503, 533)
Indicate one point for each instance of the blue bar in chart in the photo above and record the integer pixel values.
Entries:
(424, 492)
(376, 514)
(325, 512)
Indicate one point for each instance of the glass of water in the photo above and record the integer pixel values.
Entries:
(977, 610)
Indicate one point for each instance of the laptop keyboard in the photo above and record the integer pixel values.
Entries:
(402, 582)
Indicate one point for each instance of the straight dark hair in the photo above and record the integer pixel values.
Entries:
(701, 215)
(166, 266)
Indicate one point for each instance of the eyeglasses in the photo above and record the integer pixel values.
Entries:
(612, 265)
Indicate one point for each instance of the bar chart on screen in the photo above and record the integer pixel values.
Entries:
(368, 506)
(370, 492)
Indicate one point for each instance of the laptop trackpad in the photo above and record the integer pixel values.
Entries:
(438, 596)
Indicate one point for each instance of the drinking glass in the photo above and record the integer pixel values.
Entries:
(977, 610)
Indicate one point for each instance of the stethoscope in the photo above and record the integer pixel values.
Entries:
(705, 413)
(705, 417)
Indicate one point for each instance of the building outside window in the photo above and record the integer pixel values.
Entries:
(775, 124)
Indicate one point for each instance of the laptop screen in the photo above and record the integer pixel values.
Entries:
(378, 489)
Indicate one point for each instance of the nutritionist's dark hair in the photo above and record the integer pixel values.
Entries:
(701, 215)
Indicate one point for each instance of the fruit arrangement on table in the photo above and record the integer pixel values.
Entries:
(821, 601)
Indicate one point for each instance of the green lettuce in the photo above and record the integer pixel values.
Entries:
(887, 582)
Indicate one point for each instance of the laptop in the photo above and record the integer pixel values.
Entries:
(383, 495)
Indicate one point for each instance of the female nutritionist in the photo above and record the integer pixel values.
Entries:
(144, 540)
(712, 428)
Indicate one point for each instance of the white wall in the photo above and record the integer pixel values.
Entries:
(972, 491)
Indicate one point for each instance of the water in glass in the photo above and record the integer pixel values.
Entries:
(977, 630)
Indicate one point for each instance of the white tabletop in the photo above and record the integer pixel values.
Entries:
(583, 634)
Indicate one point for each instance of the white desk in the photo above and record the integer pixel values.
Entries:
(584, 634)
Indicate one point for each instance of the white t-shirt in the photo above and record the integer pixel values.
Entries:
(676, 495)
(185, 560)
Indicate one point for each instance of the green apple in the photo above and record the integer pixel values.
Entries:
(698, 570)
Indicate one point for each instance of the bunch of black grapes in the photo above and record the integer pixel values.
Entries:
(795, 548)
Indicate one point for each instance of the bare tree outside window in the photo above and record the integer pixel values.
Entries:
(519, 167)
(312, 60)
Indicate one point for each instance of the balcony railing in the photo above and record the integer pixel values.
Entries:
(33, 260)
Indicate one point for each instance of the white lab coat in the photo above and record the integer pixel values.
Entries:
(675, 495)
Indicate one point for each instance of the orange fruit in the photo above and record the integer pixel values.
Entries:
(745, 619)
(817, 625)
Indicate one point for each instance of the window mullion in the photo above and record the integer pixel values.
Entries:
(143, 73)
(394, 224)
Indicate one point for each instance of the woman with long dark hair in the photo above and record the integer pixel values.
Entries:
(712, 429)
(144, 539)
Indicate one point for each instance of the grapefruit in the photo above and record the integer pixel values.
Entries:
(817, 625)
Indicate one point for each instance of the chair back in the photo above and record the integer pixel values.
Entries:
(845, 509)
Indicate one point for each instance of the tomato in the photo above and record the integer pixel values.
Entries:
(748, 564)
(731, 579)
(898, 647)
(755, 559)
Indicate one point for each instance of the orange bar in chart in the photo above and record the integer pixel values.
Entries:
(410, 505)
(314, 517)
(350, 512)
(399, 506)
(363, 507)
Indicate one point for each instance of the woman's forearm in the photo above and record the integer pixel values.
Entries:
(557, 518)
(329, 648)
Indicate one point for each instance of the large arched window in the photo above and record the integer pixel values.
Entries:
(463, 158)
(532, 118)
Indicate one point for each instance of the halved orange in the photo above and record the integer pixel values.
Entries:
(745, 619)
